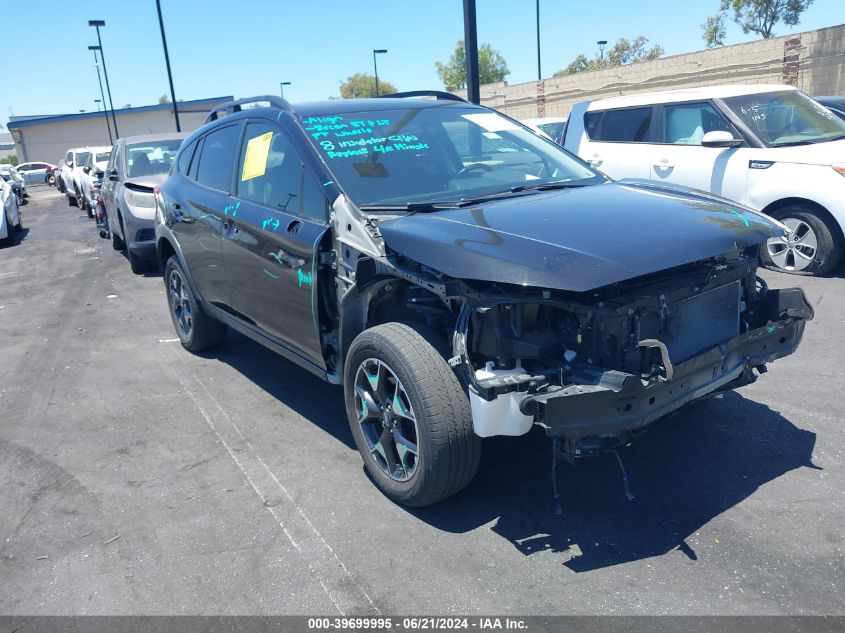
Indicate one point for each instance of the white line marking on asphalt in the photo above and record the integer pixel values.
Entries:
(310, 544)
(8, 274)
(167, 340)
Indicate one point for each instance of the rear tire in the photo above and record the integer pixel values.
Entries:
(197, 331)
(447, 450)
(117, 242)
(9, 240)
(815, 248)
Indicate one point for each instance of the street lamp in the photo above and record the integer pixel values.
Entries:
(539, 72)
(100, 81)
(97, 24)
(282, 85)
(602, 44)
(98, 102)
(377, 51)
(167, 63)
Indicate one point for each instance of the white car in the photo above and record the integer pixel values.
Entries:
(36, 172)
(92, 177)
(13, 176)
(770, 147)
(10, 221)
(71, 174)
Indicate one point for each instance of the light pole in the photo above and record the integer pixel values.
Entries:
(377, 51)
(97, 24)
(167, 63)
(602, 44)
(282, 85)
(98, 102)
(539, 72)
(100, 81)
(471, 52)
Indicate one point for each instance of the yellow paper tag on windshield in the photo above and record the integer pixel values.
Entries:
(255, 161)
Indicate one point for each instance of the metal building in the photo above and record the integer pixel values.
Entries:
(48, 137)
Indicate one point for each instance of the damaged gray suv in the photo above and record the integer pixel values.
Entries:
(462, 277)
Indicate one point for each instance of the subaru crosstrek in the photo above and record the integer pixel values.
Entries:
(462, 277)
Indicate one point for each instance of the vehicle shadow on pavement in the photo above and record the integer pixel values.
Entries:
(685, 471)
(317, 401)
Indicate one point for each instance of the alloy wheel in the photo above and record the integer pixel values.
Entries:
(180, 305)
(795, 251)
(387, 419)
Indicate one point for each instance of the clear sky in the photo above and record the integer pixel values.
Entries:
(246, 47)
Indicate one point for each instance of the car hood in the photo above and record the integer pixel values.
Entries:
(578, 239)
(149, 182)
(814, 154)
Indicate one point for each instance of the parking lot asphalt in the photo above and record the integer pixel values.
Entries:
(136, 478)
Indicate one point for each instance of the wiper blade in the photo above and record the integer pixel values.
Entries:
(560, 184)
(411, 206)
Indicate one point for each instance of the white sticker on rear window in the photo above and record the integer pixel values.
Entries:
(491, 121)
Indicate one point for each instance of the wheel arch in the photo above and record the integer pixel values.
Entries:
(165, 249)
(817, 208)
(371, 306)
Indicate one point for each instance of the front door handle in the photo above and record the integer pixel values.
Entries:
(595, 160)
(664, 163)
(230, 229)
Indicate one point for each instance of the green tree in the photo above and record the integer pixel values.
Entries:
(623, 52)
(163, 99)
(11, 159)
(714, 30)
(492, 67)
(362, 85)
(757, 16)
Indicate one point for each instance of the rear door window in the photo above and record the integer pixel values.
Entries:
(269, 171)
(626, 125)
(217, 158)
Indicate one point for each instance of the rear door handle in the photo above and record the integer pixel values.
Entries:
(293, 227)
(595, 160)
(664, 163)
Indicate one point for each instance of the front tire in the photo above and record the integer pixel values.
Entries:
(813, 248)
(409, 415)
(197, 331)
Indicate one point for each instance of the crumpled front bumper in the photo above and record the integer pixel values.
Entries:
(607, 402)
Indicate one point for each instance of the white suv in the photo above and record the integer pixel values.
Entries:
(772, 148)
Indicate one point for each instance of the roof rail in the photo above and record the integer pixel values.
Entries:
(235, 106)
(437, 94)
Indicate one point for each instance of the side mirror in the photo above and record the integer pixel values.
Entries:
(719, 138)
(86, 169)
(113, 175)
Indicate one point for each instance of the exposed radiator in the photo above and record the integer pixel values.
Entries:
(701, 322)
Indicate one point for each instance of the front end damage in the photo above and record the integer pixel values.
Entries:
(595, 368)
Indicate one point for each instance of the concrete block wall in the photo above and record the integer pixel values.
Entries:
(813, 61)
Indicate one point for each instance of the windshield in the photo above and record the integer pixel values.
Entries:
(438, 155)
(554, 130)
(148, 159)
(101, 159)
(787, 118)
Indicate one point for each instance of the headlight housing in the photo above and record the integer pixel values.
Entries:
(839, 168)
(140, 199)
